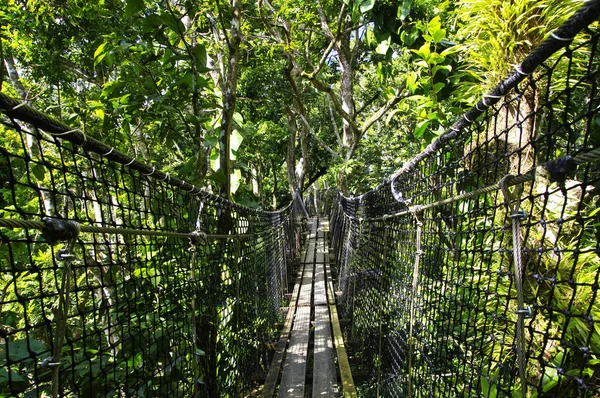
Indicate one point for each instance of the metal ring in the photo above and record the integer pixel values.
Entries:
(149, 174)
(555, 36)
(520, 71)
(397, 195)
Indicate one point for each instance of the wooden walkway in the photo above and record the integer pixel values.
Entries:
(299, 368)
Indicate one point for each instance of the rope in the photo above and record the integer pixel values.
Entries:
(65, 255)
(418, 253)
(29, 224)
(509, 181)
(558, 39)
(192, 279)
(522, 312)
(18, 110)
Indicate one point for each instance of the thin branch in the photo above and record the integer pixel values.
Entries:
(375, 117)
(369, 102)
(383, 110)
(333, 122)
(220, 12)
(319, 140)
(319, 85)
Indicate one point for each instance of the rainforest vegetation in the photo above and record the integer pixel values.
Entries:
(261, 101)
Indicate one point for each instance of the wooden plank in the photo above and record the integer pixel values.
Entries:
(273, 375)
(320, 295)
(348, 387)
(324, 373)
(294, 368)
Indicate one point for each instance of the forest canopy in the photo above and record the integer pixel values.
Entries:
(258, 100)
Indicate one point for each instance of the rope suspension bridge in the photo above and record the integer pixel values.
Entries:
(473, 271)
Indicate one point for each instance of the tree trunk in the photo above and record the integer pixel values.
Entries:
(230, 97)
(31, 141)
(275, 184)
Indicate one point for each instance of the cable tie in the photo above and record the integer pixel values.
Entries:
(467, 119)
(557, 37)
(132, 160)
(109, 152)
(454, 129)
(492, 96)
(419, 252)
(520, 71)
(166, 177)
(477, 106)
(149, 174)
(47, 363)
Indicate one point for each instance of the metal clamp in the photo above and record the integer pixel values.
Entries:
(521, 214)
(527, 312)
(64, 254)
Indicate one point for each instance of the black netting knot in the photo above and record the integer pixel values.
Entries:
(56, 230)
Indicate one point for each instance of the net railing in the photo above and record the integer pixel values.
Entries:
(474, 270)
(119, 280)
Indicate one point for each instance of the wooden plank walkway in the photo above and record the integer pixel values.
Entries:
(312, 300)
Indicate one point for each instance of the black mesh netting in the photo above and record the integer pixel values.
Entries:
(177, 313)
(438, 302)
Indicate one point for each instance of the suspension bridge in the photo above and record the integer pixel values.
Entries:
(471, 271)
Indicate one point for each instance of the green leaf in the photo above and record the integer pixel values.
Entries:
(186, 80)
(100, 49)
(438, 86)
(434, 25)
(383, 47)
(201, 58)
(438, 68)
(488, 390)
(439, 35)
(404, 10)
(236, 140)
(367, 5)
(173, 23)
(39, 172)
(424, 51)
(238, 119)
(409, 36)
(218, 177)
(421, 127)
(21, 350)
(236, 178)
(133, 7)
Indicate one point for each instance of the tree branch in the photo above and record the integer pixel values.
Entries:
(319, 140)
(384, 109)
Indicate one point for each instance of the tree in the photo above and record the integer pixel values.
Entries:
(326, 44)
